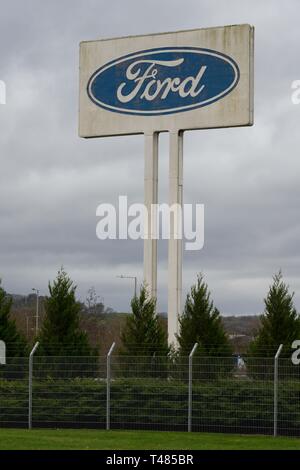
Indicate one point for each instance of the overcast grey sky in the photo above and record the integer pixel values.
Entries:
(51, 181)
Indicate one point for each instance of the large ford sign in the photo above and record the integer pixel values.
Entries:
(197, 79)
(163, 81)
(168, 82)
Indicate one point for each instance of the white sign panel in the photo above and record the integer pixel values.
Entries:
(184, 80)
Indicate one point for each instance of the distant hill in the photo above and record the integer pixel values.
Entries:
(104, 326)
(241, 325)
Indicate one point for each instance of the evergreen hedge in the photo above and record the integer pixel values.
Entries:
(229, 405)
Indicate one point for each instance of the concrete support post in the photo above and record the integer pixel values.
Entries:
(150, 198)
(175, 241)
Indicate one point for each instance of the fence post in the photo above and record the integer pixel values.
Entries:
(276, 388)
(2, 353)
(30, 385)
(108, 386)
(190, 404)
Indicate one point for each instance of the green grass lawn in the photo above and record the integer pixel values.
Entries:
(43, 439)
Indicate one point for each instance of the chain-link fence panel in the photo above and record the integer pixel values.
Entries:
(208, 394)
(149, 393)
(69, 392)
(14, 392)
(233, 396)
(288, 398)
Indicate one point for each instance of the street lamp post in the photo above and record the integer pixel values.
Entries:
(130, 277)
(37, 311)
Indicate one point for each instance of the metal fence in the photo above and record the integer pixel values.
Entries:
(193, 393)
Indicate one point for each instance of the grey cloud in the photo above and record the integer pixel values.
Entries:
(51, 181)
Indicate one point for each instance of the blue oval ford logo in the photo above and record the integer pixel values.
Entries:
(163, 81)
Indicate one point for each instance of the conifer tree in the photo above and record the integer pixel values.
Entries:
(280, 323)
(143, 334)
(61, 334)
(201, 323)
(16, 345)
